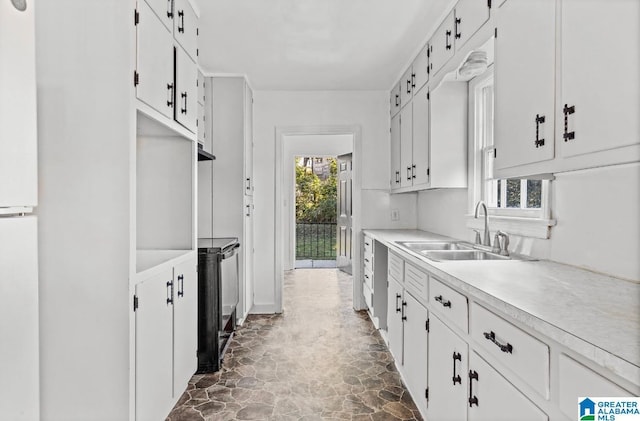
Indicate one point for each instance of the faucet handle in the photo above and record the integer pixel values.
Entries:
(504, 250)
(478, 238)
(496, 243)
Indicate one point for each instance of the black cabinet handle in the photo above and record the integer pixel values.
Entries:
(248, 183)
(398, 296)
(180, 285)
(413, 171)
(439, 299)
(448, 34)
(184, 96)
(413, 80)
(473, 400)
(429, 64)
(169, 292)
(170, 9)
(404, 304)
(397, 98)
(567, 135)
(170, 95)
(248, 210)
(408, 173)
(181, 23)
(408, 86)
(456, 377)
(540, 119)
(397, 177)
(458, 22)
(491, 336)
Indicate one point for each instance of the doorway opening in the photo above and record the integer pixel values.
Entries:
(316, 202)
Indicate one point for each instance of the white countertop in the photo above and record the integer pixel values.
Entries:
(592, 314)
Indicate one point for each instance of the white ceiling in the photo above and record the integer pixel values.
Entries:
(315, 44)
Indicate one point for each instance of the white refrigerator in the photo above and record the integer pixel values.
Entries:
(19, 367)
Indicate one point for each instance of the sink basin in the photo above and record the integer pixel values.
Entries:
(423, 246)
(443, 255)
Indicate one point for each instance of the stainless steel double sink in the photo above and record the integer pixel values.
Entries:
(452, 250)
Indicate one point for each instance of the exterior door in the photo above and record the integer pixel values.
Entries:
(344, 235)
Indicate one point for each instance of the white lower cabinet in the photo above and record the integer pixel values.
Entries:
(416, 357)
(493, 398)
(165, 339)
(448, 362)
(394, 320)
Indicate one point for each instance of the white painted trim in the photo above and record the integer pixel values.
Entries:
(281, 192)
(264, 309)
(526, 227)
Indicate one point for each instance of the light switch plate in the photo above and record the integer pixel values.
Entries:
(395, 214)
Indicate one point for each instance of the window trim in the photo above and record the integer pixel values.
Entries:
(534, 223)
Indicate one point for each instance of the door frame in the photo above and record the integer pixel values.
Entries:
(282, 164)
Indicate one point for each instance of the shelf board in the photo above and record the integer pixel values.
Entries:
(205, 156)
(149, 259)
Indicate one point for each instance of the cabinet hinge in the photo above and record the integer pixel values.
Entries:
(495, 32)
(426, 393)
(198, 29)
(136, 78)
(197, 52)
(428, 172)
(136, 17)
(135, 302)
(495, 153)
(428, 95)
(426, 325)
(489, 4)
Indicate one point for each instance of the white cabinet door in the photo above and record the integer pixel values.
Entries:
(185, 325)
(442, 43)
(201, 88)
(448, 362)
(421, 69)
(406, 146)
(600, 75)
(406, 87)
(185, 27)
(524, 82)
(18, 136)
(416, 339)
(19, 347)
(164, 10)
(421, 137)
(247, 249)
(155, 62)
(154, 345)
(186, 90)
(202, 125)
(395, 152)
(492, 398)
(394, 321)
(394, 98)
(470, 16)
(248, 141)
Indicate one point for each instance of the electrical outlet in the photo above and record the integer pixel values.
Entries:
(395, 214)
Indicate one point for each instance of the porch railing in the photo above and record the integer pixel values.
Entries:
(315, 241)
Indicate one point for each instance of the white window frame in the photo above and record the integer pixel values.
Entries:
(534, 223)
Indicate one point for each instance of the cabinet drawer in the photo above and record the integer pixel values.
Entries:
(396, 267)
(416, 281)
(368, 260)
(368, 245)
(521, 353)
(367, 278)
(368, 296)
(577, 380)
(450, 303)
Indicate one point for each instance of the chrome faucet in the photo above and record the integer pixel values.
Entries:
(487, 235)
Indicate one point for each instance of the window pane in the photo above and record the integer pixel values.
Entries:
(534, 194)
(513, 193)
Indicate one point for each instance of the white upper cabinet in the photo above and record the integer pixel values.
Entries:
(524, 82)
(155, 84)
(186, 91)
(442, 48)
(406, 87)
(164, 10)
(395, 152)
(18, 135)
(201, 88)
(600, 84)
(421, 68)
(394, 100)
(470, 15)
(406, 146)
(420, 168)
(185, 29)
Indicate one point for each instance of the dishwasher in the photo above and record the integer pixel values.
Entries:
(218, 285)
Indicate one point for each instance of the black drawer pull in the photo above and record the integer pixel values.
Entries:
(540, 119)
(398, 296)
(404, 304)
(567, 111)
(456, 377)
(180, 285)
(446, 303)
(169, 292)
(491, 336)
(473, 400)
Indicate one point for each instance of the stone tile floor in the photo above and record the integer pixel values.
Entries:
(319, 360)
